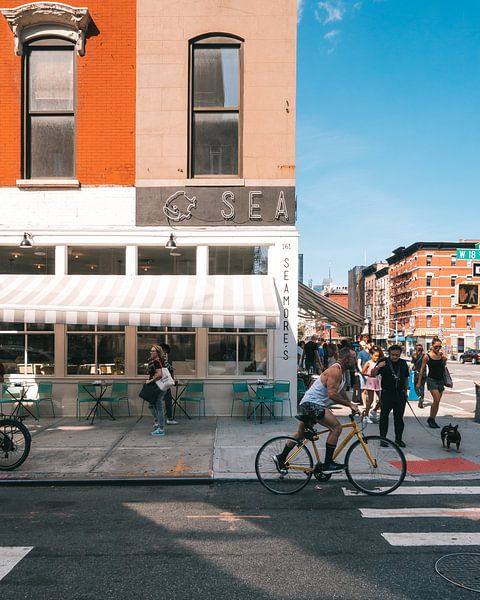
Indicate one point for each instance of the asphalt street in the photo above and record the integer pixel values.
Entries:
(462, 395)
(235, 541)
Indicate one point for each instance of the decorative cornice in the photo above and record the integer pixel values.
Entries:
(36, 19)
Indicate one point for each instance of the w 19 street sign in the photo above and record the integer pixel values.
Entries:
(473, 254)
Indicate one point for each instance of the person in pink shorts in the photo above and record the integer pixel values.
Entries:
(372, 386)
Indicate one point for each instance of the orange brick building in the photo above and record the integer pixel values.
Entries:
(424, 279)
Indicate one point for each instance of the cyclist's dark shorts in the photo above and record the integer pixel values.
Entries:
(312, 410)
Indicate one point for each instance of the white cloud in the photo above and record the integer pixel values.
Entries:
(330, 11)
(332, 34)
(300, 7)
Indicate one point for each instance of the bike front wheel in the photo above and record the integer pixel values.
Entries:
(295, 474)
(385, 474)
(15, 443)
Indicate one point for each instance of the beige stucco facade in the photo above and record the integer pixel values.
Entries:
(164, 29)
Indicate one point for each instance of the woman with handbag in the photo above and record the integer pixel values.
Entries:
(155, 374)
(436, 361)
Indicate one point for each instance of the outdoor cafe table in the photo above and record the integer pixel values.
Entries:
(100, 389)
(176, 398)
(261, 383)
(19, 396)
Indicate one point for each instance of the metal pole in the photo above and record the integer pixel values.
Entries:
(396, 332)
(476, 418)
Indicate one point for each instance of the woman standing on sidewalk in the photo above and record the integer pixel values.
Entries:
(372, 386)
(154, 373)
(418, 384)
(435, 360)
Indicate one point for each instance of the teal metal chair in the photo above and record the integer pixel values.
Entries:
(263, 399)
(44, 394)
(301, 389)
(119, 394)
(281, 394)
(83, 396)
(194, 393)
(241, 393)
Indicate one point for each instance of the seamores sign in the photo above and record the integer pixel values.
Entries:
(194, 206)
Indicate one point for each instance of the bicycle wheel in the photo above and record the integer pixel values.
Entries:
(15, 443)
(387, 474)
(290, 479)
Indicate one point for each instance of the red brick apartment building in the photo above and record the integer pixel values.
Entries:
(424, 281)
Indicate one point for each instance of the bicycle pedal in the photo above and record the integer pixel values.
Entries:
(318, 468)
(310, 434)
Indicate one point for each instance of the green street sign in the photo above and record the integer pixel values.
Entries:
(468, 254)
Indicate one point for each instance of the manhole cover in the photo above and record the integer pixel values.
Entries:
(462, 569)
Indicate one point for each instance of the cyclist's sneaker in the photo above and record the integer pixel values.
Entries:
(172, 422)
(279, 462)
(367, 420)
(158, 431)
(333, 467)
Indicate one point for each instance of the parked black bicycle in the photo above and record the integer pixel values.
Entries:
(15, 441)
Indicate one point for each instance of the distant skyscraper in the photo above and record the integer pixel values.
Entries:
(300, 268)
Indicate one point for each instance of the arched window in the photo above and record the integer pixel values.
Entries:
(49, 109)
(215, 106)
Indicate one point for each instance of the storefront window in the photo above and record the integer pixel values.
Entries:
(27, 261)
(238, 260)
(96, 260)
(95, 350)
(235, 352)
(27, 349)
(182, 348)
(153, 260)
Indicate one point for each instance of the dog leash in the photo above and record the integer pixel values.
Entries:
(419, 422)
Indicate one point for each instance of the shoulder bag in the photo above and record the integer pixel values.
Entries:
(447, 378)
(166, 381)
(149, 393)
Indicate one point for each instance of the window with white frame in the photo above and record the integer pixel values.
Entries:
(96, 260)
(453, 321)
(27, 261)
(237, 352)
(215, 77)
(95, 350)
(429, 320)
(238, 260)
(27, 348)
(181, 340)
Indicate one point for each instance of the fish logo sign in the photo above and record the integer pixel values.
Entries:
(178, 207)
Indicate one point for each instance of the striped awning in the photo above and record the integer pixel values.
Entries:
(246, 302)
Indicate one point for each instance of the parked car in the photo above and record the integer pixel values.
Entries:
(470, 356)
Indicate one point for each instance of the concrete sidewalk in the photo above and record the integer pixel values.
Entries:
(212, 448)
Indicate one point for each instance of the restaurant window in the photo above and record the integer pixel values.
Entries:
(215, 92)
(453, 321)
(95, 350)
(27, 348)
(237, 352)
(49, 108)
(238, 260)
(182, 348)
(153, 260)
(96, 260)
(429, 320)
(429, 301)
(27, 261)
(429, 260)
(429, 281)
(453, 280)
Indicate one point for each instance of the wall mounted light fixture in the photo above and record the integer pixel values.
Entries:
(171, 242)
(27, 241)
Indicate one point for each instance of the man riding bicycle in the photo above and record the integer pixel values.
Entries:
(314, 408)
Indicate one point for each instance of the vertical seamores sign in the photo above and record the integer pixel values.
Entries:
(285, 291)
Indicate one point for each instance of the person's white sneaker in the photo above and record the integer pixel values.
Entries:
(367, 420)
(172, 422)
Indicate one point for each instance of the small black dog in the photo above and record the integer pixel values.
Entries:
(451, 435)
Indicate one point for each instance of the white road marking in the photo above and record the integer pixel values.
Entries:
(469, 389)
(453, 407)
(433, 490)
(396, 513)
(10, 556)
(432, 539)
(410, 456)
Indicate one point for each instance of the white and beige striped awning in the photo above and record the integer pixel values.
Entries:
(247, 302)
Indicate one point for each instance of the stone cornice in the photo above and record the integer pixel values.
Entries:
(44, 19)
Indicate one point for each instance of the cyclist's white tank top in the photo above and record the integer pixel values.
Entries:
(318, 392)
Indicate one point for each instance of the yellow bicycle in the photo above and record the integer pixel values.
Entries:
(374, 465)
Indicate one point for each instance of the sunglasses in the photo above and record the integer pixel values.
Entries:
(436, 347)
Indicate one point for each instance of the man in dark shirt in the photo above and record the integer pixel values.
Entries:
(311, 356)
(394, 394)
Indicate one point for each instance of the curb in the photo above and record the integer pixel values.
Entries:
(127, 481)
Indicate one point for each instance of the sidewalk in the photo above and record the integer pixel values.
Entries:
(211, 448)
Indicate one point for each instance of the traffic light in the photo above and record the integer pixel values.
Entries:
(467, 294)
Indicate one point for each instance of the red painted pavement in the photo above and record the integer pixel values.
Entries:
(439, 465)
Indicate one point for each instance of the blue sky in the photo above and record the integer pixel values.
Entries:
(388, 128)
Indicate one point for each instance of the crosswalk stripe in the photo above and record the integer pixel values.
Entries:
(389, 513)
(406, 490)
(433, 539)
(10, 556)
